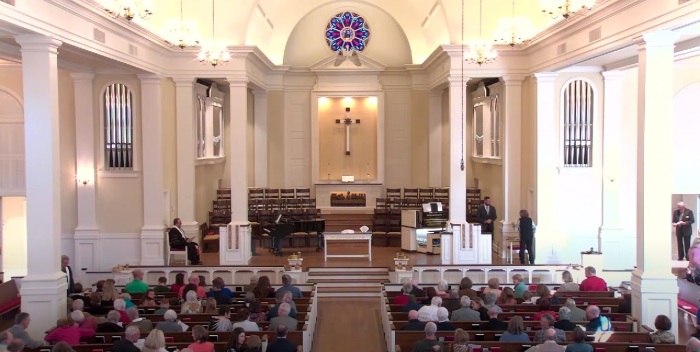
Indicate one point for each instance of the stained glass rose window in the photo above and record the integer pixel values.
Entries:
(347, 30)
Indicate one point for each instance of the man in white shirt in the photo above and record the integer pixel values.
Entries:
(246, 324)
(429, 313)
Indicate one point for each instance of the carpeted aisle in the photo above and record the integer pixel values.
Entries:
(349, 325)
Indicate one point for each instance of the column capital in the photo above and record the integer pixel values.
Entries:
(614, 75)
(237, 81)
(513, 79)
(181, 81)
(150, 78)
(260, 93)
(458, 80)
(82, 76)
(36, 42)
(544, 77)
(660, 39)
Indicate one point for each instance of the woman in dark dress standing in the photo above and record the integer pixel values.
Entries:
(526, 227)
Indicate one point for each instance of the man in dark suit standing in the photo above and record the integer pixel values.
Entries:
(281, 344)
(65, 260)
(683, 220)
(486, 216)
(178, 241)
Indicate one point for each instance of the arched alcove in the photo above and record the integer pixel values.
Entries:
(307, 44)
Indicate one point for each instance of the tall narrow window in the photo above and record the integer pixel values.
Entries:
(201, 126)
(118, 128)
(577, 107)
(486, 125)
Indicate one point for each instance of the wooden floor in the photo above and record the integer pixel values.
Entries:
(341, 328)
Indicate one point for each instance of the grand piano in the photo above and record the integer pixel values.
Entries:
(284, 227)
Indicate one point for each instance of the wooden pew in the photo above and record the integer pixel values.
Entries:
(476, 336)
(618, 326)
(505, 316)
(205, 319)
(182, 337)
(521, 307)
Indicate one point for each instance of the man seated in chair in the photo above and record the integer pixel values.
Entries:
(177, 239)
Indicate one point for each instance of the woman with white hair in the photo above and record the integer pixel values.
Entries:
(442, 288)
(192, 304)
(494, 285)
(112, 324)
(120, 306)
(169, 323)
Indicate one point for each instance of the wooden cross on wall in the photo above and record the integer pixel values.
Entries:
(347, 121)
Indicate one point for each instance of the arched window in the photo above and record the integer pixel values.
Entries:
(577, 104)
(118, 128)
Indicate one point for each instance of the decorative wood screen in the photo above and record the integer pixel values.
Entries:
(577, 111)
(118, 128)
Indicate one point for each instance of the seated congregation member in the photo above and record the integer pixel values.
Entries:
(96, 307)
(466, 313)
(569, 284)
(17, 345)
(547, 323)
(597, 322)
(192, 284)
(443, 322)
(162, 286)
(579, 344)
(210, 306)
(545, 309)
(493, 286)
(592, 282)
(62, 347)
(527, 297)
(461, 341)
(519, 286)
(112, 324)
(155, 342)
(179, 283)
(169, 323)
(507, 297)
(68, 332)
(264, 289)
(131, 336)
(577, 314)
(256, 312)
(254, 344)
(220, 292)
(430, 292)
(127, 300)
(222, 321)
(282, 297)
(281, 344)
(245, 323)
(412, 304)
(144, 325)
(109, 294)
(478, 305)
(430, 341)
(136, 285)
(178, 241)
(549, 343)
(662, 335)
(283, 319)
(191, 305)
(77, 292)
(165, 305)
(149, 299)
(417, 291)
(402, 299)
(493, 323)
(429, 313)
(120, 307)
(201, 343)
(5, 339)
(515, 332)
(465, 288)
(490, 301)
(287, 286)
(544, 293)
(452, 301)
(84, 321)
(564, 322)
(413, 323)
(237, 341)
(442, 289)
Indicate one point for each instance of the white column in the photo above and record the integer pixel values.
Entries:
(235, 247)
(44, 288)
(184, 98)
(261, 159)
(547, 127)
(511, 141)
(152, 232)
(86, 240)
(654, 287)
(435, 138)
(614, 244)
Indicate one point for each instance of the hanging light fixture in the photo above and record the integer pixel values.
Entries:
(214, 52)
(513, 30)
(128, 8)
(480, 51)
(181, 32)
(565, 8)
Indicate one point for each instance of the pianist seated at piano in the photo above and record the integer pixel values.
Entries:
(177, 239)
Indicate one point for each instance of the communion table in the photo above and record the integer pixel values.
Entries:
(332, 237)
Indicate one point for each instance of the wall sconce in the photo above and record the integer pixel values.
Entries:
(83, 178)
(84, 181)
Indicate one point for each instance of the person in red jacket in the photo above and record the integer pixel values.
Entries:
(592, 282)
(402, 299)
(68, 332)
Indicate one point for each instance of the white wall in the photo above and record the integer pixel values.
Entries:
(686, 156)
(14, 236)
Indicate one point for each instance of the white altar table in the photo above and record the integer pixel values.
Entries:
(328, 237)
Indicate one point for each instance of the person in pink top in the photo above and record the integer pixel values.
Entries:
(545, 308)
(194, 280)
(67, 332)
(201, 337)
(592, 282)
(402, 299)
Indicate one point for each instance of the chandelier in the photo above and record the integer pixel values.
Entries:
(565, 8)
(513, 30)
(128, 8)
(480, 51)
(214, 52)
(181, 32)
